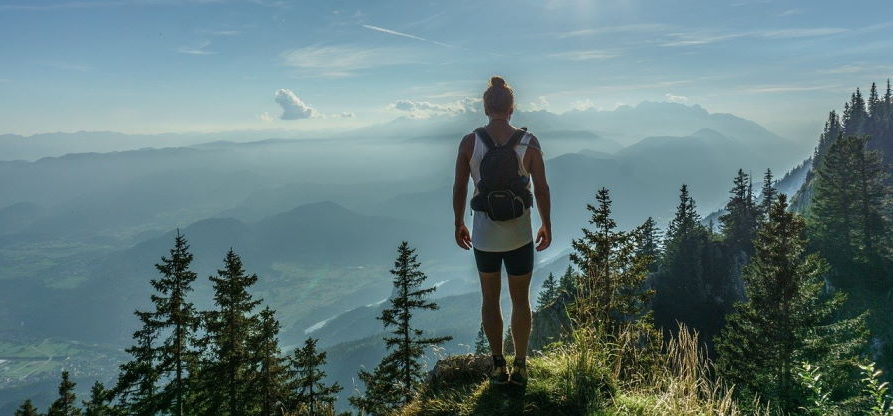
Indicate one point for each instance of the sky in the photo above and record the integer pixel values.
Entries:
(146, 66)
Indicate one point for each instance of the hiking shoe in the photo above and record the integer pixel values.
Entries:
(499, 374)
(519, 373)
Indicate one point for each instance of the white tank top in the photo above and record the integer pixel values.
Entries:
(498, 236)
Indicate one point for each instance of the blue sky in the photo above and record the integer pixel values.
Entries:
(181, 65)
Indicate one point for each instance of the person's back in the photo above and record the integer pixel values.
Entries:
(501, 232)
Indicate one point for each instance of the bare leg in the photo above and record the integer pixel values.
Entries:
(491, 314)
(519, 290)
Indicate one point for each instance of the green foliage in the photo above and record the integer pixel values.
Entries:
(876, 391)
(271, 374)
(610, 286)
(27, 409)
(66, 404)
(227, 369)
(786, 318)
(768, 195)
(549, 292)
(310, 392)
(395, 379)
(163, 350)
(819, 396)
(846, 216)
(648, 243)
(739, 223)
(98, 405)
(481, 345)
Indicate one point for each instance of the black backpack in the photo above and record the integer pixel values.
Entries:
(502, 190)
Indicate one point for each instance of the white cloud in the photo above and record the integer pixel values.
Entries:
(540, 104)
(790, 12)
(342, 61)
(634, 28)
(292, 106)
(584, 55)
(265, 116)
(582, 105)
(426, 109)
(703, 38)
(198, 49)
(676, 98)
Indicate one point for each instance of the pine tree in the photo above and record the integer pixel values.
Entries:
(27, 409)
(610, 286)
(548, 293)
(855, 115)
(156, 358)
(227, 373)
(648, 244)
(98, 405)
(393, 382)
(768, 195)
(309, 391)
(66, 404)
(567, 282)
(846, 216)
(270, 379)
(481, 345)
(785, 318)
(739, 223)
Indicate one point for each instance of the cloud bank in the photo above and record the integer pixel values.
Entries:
(426, 109)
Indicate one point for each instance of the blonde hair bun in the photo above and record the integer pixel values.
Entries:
(497, 81)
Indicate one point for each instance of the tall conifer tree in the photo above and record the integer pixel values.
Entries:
(228, 370)
(739, 223)
(163, 350)
(394, 381)
(610, 285)
(846, 216)
(548, 293)
(648, 243)
(785, 318)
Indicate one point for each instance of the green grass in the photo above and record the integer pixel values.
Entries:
(574, 379)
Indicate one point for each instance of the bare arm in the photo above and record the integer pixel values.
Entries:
(460, 191)
(541, 193)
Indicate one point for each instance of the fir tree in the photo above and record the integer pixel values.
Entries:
(785, 319)
(481, 345)
(98, 405)
(855, 115)
(739, 223)
(66, 404)
(27, 409)
(228, 371)
(648, 244)
(393, 382)
(768, 195)
(567, 281)
(271, 376)
(610, 286)
(163, 349)
(846, 216)
(307, 379)
(548, 293)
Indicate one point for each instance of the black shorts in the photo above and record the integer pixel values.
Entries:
(517, 262)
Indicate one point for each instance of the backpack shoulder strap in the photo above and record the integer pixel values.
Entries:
(488, 141)
(516, 138)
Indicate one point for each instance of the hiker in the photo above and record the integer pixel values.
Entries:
(502, 160)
